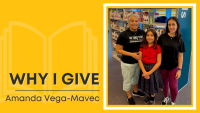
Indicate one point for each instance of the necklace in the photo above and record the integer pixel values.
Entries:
(171, 36)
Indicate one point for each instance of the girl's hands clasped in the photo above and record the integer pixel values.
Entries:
(146, 75)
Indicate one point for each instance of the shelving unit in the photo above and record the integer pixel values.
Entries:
(156, 23)
(121, 22)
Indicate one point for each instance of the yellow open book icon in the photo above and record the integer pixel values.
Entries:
(24, 49)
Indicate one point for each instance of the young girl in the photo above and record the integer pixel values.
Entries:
(151, 79)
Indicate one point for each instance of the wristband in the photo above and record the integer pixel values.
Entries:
(179, 69)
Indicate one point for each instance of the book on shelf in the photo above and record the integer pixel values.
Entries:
(146, 17)
(140, 15)
(125, 25)
(127, 14)
(151, 16)
(122, 29)
(115, 35)
(111, 24)
(115, 25)
(117, 15)
(121, 15)
(113, 13)
(114, 43)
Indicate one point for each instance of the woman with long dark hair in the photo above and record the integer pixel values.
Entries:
(172, 46)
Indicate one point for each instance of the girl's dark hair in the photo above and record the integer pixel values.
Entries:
(178, 31)
(145, 43)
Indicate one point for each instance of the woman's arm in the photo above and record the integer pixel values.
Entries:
(119, 49)
(180, 63)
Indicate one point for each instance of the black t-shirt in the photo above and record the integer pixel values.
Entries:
(170, 49)
(131, 42)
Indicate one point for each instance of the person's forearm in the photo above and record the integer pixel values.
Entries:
(141, 66)
(121, 51)
(180, 61)
(155, 67)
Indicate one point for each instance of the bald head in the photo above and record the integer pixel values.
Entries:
(133, 22)
(133, 15)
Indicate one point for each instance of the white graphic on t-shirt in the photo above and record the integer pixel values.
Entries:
(136, 38)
